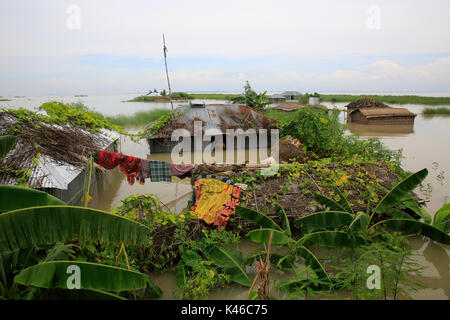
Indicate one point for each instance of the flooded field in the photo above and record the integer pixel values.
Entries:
(425, 145)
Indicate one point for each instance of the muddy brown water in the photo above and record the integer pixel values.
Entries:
(425, 145)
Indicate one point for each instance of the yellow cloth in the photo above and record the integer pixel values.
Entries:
(215, 201)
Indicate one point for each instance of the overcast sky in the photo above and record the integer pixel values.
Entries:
(96, 46)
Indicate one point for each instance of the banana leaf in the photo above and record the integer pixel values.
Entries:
(16, 197)
(24, 228)
(325, 219)
(343, 202)
(93, 276)
(286, 262)
(416, 227)
(64, 294)
(332, 239)
(313, 262)
(257, 218)
(401, 190)
(442, 214)
(263, 236)
(359, 223)
(333, 205)
(6, 144)
(284, 219)
(231, 261)
(399, 214)
(409, 202)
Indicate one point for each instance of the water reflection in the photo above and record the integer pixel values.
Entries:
(373, 130)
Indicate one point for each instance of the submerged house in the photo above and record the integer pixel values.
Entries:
(289, 106)
(54, 155)
(291, 95)
(277, 98)
(380, 116)
(211, 120)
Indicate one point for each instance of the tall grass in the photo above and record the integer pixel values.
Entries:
(436, 111)
(388, 99)
(139, 118)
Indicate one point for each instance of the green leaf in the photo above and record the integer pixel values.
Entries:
(286, 262)
(333, 205)
(231, 261)
(409, 202)
(416, 227)
(191, 258)
(284, 219)
(442, 214)
(25, 228)
(400, 190)
(182, 274)
(93, 276)
(331, 239)
(359, 223)
(7, 143)
(343, 202)
(325, 219)
(257, 218)
(16, 197)
(313, 262)
(263, 235)
(399, 214)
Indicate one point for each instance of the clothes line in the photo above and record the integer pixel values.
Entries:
(140, 169)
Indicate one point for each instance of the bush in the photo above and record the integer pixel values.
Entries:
(319, 130)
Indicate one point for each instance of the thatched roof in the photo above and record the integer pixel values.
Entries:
(366, 103)
(62, 151)
(385, 112)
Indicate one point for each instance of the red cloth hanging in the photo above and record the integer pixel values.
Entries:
(129, 165)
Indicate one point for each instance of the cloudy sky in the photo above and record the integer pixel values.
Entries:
(105, 46)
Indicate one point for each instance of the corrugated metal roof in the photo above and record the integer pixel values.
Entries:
(217, 117)
(289, 106)
(291, 93)
(277, 96)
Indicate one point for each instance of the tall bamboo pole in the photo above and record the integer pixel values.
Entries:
(167, 74)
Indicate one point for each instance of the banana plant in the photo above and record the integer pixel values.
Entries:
(399, 220)
(281, 236)
(23, 229)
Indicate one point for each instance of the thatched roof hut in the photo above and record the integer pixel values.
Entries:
(54, 155)
(365, 103)
(381, 116)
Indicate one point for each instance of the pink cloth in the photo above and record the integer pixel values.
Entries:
(180, 169)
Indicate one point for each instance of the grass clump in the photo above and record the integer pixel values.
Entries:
(436, 111)
(407, 99)
(139, 118)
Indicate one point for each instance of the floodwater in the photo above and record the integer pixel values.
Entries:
(425, 145)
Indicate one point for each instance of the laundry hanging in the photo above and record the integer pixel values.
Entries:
(215, 200)
(160, 171)
(129, 165)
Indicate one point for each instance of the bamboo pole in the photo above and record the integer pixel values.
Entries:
(167, 74)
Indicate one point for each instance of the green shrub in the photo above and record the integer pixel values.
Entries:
(319, 131)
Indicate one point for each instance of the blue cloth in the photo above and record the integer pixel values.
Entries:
(160, 171)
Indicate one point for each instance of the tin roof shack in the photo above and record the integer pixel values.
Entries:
(54, 155)
(365, 103)
(277, 98)
(215, 119)
(291, 95)
(382, 116)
